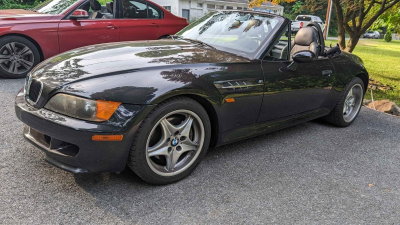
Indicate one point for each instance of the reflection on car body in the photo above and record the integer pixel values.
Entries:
(208, 86)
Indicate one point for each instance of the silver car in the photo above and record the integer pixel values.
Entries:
(372, 34)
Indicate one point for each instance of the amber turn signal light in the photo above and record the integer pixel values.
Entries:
(107, 137)
(229, 100)
(105, 109)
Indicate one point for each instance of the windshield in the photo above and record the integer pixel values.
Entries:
(54, 7)
(303, 18)
(240, 33)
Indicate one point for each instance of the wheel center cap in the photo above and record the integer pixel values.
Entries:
(174, 142)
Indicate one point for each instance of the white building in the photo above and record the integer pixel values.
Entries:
(195, 9)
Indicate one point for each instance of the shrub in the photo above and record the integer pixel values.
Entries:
(388, 36)
(17, 4)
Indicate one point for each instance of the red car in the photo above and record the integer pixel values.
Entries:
(30, 36)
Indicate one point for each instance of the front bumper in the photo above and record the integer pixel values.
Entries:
(68, 143)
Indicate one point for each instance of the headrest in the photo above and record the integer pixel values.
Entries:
(95, 5)
(110, 7)
(305, 36)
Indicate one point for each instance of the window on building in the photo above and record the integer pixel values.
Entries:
(240, 8)
(209, 6)
(220, 7)
(229, 7)
(200, 5)
(244, 8)
(186, 14)
(168, 8)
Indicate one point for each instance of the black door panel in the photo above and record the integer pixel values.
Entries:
(290, 92)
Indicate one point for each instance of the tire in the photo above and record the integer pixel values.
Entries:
(344, 116)
(20, 57)
(153, 150)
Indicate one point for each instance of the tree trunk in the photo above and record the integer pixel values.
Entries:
(340, 21)
(352, 43)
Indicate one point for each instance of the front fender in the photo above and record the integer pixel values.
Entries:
(149, 86)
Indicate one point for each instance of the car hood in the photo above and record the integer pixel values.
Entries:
(20, 14)
(123, 58)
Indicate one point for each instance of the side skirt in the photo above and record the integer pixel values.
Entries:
(269, 126)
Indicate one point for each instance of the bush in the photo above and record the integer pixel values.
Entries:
(18, 4)
(388, 36)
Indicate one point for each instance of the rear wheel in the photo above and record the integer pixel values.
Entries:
(349, 104)
(18, 56)
(171, 141)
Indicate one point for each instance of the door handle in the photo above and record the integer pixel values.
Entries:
(327, 73)
(154, 25)
(111, 27)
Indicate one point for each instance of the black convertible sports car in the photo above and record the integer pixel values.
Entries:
(157, 106)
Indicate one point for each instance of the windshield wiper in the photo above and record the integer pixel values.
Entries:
(199, 42)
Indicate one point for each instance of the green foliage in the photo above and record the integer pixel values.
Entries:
(388, 36)
(18, 4)
(377, 55)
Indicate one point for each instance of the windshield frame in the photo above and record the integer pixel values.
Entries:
(66, 10)
(264, 44)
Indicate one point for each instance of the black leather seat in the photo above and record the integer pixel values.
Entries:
(96, 7)
(305, 39)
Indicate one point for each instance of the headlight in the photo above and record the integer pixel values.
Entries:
(82, 108)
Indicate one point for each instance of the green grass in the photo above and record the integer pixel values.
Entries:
(382, 60)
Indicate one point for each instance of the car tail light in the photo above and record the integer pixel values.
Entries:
(301, 24)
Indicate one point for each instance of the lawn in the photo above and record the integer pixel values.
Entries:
(382, 60)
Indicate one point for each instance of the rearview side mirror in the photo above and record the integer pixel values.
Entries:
(79, 14)
(303, 56)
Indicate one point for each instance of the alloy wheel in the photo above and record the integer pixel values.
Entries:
(352, 103)
(16, 58)
(175, 142)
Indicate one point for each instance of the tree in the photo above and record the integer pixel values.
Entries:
(253, 3)
(356, 16)
(389, 20)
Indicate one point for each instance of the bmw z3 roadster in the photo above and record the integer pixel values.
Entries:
(157, 106)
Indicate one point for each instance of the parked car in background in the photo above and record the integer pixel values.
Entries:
(303, 20)
(157, 106)
(372, 34)
(29, 36)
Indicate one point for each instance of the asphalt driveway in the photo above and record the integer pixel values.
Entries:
(308, 174)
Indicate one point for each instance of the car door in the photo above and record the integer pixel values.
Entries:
(140, 20)
(292, 92)
(82, 32)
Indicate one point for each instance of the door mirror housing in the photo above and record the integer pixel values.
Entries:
(303, 56)
(79, 14)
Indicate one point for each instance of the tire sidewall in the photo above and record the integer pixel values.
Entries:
(36, 54)
(139, 148)
(353, 82)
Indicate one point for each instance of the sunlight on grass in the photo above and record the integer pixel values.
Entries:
(382, 60)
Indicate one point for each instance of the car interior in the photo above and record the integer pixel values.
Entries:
(137, 10)
(307, 38)
(98, 11)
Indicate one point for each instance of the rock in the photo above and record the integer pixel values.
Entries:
(367, 101)
(382, 106)
(396, 110)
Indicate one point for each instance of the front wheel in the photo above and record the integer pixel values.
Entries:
(18, 56)
(349, 104)
(171, 141)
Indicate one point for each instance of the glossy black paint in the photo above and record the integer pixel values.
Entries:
(268, 96)
(303, 56)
